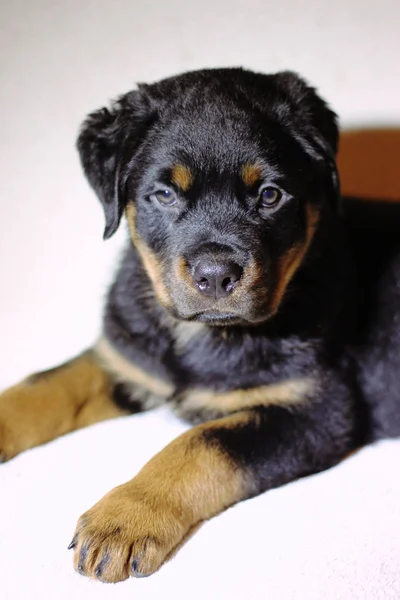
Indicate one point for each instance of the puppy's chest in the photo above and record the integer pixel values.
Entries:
(219, 361)
(211, 375)
(227, 373)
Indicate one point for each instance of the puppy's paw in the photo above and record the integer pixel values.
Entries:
(130, 532)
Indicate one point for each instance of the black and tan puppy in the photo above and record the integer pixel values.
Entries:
(250, 301)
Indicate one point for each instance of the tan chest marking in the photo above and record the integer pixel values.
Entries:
(123, 371)
(287, 393)
(185, 332)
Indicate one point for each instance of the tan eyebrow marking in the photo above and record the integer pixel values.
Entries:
(182, 177)
(251, 173)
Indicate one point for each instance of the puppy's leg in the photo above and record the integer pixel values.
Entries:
(74, 395)
(138, 525)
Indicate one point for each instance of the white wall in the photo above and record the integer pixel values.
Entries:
(60, 59)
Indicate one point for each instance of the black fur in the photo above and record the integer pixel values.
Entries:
(339, 320)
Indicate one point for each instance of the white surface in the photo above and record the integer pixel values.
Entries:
(332, 536)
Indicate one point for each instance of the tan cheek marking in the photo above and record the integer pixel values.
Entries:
(182, 177)
(182, 272)
(290, 262)
(287, 266)
(125, 372)
(150, 262)
(253, 278)
(288, 393)
(251, 173)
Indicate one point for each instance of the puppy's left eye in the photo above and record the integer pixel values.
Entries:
(270, 197)
(165, 197)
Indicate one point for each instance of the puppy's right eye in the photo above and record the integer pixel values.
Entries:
(164, 197)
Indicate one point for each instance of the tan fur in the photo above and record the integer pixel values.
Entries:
(291, 260)
(185, 332)
(149, 259)
(147, 518)
(126, 372)
(182, 177)
(53, 403)
(182, 272)
(253, 278)
(251, 173)
(289, 393)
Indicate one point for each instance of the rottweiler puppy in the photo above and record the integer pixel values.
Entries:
(251, 299)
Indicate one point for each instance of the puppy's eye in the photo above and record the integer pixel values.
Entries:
(165, 197)
(270, 197)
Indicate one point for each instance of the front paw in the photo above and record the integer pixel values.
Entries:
(128, 533)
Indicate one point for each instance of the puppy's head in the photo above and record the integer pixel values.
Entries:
(223, 175)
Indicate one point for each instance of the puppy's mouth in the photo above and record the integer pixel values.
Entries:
(218, 319)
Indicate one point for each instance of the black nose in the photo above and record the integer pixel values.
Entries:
(216, 277)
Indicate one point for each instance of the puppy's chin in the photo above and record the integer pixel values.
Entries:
(221, 319)
(216, 319)
(250, 312)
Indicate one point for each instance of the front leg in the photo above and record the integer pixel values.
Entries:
(138, 525)
(97, 385)
(52, 403)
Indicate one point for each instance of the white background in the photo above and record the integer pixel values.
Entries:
(59, 59)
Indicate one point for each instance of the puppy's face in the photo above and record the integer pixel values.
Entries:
(223, 176)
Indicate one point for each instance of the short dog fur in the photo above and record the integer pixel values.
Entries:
(254, 301)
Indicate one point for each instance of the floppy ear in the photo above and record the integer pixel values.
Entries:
(314, 124)
(107, 142)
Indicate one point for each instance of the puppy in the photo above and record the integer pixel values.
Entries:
(250, 299)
